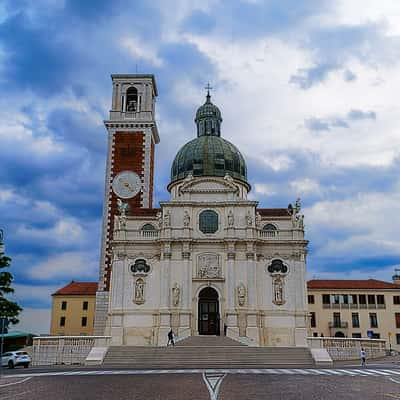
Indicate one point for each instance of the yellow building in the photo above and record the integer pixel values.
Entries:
(73, 309)
(355, 309)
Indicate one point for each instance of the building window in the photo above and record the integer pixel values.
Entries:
(344, 299)
(335, 299)
(270, 230)
(398, 338)
(355, 320)
(376, 336)
(380, 299)
(326, 299)
(336, 320)
(362, 299)
(310, 299)
(353, 299)
(131, 99)
(315, 334)
(84, 321)
(208, 221)
(356, 335)
(313, 322)
(62, 321)
(397, 317)
(373, 320)
(85, 305)
(396, 299)
(371, 299)
(63, 305)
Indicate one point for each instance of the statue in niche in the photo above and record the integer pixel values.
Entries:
(159, 219)
(208, 266)
(277, 284)
(186, 219)
(231, 219)
(176, 295)
(139, 291)
(258, 220)
(249, 219)
(241, 295)
(167, 219)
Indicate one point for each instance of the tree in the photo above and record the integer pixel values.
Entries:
(8, 309)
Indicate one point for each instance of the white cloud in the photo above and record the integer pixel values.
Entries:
(305, 186)
(34, 320)
(71, 265)
(144, 51)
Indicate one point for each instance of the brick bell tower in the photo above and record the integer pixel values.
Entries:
(132, 136)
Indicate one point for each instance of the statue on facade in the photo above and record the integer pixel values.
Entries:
(121, 219)
(278, 290)
(176, 295)
(258, 220)
(167, 219)
(159, 220)
(231, 219)
(297, 218)
(186, 219)
(139, 291)
(241, 295)
(249, 219)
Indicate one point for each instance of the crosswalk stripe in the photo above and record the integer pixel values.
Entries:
(346, 371)
(378, 372)
(362, 372)
(265, 371)
(333, 372)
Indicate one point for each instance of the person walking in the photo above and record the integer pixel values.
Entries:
(171, 338)
(362, 355)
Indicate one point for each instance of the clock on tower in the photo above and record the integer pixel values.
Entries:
(132, 136)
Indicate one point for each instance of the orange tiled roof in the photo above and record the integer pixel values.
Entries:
(350, 284)
(78, 288)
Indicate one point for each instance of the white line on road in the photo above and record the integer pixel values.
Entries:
(15, 383)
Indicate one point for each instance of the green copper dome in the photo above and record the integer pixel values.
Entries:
(208, 154)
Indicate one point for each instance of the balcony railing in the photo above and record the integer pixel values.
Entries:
(135, 235)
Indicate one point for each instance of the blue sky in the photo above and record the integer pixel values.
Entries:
(308, 92)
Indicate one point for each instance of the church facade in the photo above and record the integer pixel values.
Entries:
(208, 261)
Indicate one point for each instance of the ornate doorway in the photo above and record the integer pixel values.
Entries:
(208, 312)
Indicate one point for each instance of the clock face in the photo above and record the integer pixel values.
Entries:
(126, 184)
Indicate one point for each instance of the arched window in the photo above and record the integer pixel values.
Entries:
(208, 221)
(132, 99)
(148, 227)
(269, 230)
(148, 230)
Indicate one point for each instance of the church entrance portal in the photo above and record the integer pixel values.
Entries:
(208, 312)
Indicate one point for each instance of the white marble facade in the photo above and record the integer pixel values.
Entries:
(259, 274)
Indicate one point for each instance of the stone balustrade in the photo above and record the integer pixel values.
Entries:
(348, 348)
(68, 350)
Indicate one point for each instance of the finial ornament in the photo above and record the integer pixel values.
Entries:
(208, 87)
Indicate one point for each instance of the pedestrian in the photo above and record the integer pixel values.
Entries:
(171, 338)
(362, 355)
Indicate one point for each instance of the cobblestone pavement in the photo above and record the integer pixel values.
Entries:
(200, 386)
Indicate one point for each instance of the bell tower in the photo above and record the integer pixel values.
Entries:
(132, 136)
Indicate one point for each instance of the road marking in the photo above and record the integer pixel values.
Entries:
(222, 371)
(213, 382)
(15, 383)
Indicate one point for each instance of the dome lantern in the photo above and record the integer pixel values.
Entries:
(208, 118)
(209, 154)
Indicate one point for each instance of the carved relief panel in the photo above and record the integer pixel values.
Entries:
(209, 266)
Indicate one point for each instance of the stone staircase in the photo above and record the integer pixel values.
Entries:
(208, 352)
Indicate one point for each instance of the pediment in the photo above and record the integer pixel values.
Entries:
(209, 185)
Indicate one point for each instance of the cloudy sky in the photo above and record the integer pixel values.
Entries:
(309, 92)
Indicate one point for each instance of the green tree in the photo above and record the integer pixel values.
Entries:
(8, 309)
